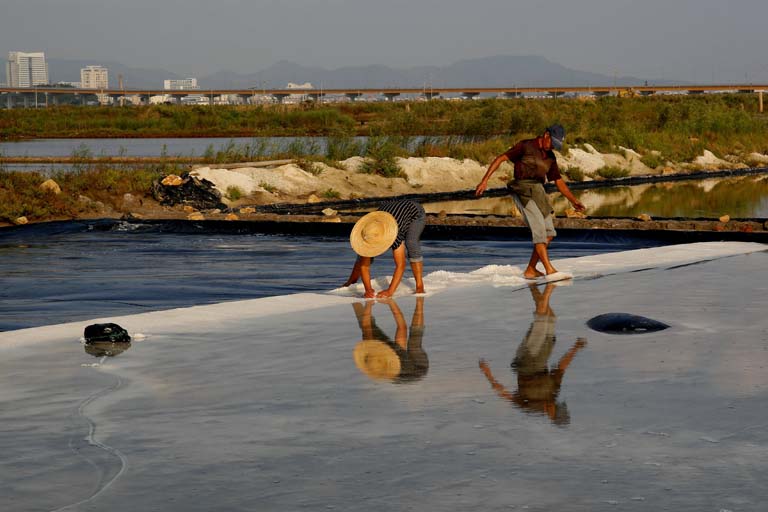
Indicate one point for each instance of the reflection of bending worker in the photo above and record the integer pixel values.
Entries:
(380, 358)
(537, 385)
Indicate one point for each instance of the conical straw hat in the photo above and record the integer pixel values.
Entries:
(373, 234)
(377, 360)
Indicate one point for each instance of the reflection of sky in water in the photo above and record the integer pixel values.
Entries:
(272, 413)
(743, 197)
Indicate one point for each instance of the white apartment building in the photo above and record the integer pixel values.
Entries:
(26, 69)
(95, 77)
(182, 84)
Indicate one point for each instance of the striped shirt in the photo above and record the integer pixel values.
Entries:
(405, 212)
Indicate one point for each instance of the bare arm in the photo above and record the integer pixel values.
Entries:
(365, 273)
(399, 256)
(491, 169)
(563, 188)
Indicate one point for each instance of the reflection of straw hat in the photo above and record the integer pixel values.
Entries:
(377, 359)
(373, 234)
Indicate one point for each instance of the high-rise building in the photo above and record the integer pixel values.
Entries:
(94, 77)
(26, 69)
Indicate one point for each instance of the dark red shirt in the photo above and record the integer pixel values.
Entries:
(532, 162)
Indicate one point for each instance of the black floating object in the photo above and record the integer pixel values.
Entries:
(112, 333)
(624, 323)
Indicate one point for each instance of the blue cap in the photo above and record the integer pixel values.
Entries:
(557, 134)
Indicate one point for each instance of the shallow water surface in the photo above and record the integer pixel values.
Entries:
(491, 397)
(67, 271)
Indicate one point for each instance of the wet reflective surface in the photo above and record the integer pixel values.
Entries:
(60, 272)
(273, 413)
(743, 197)
(538, 385)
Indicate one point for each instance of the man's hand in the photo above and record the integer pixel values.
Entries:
(481, 188)
(578, 206)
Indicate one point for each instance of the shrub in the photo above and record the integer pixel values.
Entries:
(610, 172)
(331, 194)
(234, 192)
(309, 166)
(652, 160)
(574, 174)
(269, 188)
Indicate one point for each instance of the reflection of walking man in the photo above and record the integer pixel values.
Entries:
(535, 163)
(380, 358)
(537, 385)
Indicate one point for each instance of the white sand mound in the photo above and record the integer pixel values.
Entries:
(287, 179)
(708, 160)
(452, 173)
(587, 161)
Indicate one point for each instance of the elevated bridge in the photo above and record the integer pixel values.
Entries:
(43, 96)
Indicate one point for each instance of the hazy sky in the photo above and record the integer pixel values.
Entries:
(701, 41)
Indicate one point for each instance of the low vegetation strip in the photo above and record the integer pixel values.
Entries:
(676, 127)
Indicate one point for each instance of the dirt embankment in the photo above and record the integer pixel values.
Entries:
(247, 190)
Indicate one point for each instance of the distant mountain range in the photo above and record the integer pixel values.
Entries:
(500, 71)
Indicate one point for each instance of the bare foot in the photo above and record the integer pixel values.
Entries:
(532, 275)
(420, 290)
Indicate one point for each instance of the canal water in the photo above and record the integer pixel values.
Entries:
(743, 197)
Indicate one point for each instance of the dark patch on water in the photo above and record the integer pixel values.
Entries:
(625, 323)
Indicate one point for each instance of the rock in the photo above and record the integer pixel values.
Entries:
(668, 170)
(746, 228)
(725, 218)
(231, 216)
(50, 186)
(719, 227)
(247, 210)
(442, 215)
(20, 221)
(172, 180)
(129, 198)
(132, 216)
(107, 332)
(573, 214)
(331, 219)
(215, 211)
(765, 225)
(313, 199)
(644, 217)
(329, 212)
(84, 199)
(195, 216)
(189, 209)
